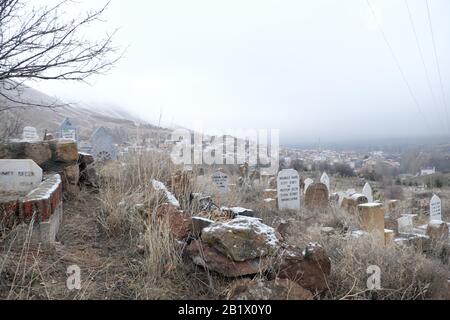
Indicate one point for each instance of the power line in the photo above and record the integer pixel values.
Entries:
(419, 48)
(444, 99)
(391, 50)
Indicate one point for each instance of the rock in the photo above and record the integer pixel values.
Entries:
(309, 268)
(282, 227)
(89, 177)
(200, 202)
(238, 211)
(437, 230)
(85, 158)
(40, 152)
(180, 223)
(242, 239)
(209, 258)
(65, 151)
(198, 224)
(72, 174)
(316, 196)
(327, 230)
(259, 289)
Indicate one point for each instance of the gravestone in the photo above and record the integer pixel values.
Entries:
(317, 197)
(220, 180)
(30, 134)
(367, 191)
(288, 190)
(307, 183)
(67, 131)
(435, 209)
(19, 175)
(102, 145)
(405, 224)
(325, 179)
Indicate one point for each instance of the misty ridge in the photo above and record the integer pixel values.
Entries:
(224, 151)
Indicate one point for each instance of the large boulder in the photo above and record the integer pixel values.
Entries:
(198, 224)
(259, 289)
(243, 238)
(40, 152)
(206, 256)
(309, 268)
(65, 151)
(180, 223)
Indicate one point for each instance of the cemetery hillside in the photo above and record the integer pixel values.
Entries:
(111, 190)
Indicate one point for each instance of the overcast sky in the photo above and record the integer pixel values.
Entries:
(311, 68)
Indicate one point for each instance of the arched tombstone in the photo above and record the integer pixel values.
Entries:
(325, 179)
(288, 190)
(368, 192)
(307, 183)
(435, 208)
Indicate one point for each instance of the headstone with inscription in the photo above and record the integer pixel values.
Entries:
(288, 190)
(367, 191)
(220, 180)
(30, 134)
(20, 175)
(67, 130)
(325, 179)
(435, 209)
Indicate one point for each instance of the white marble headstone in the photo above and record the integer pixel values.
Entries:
(288, 189)
(220, 179)
(307, 183)
(325, 179)
(435, 209)
(367, 191)
(30, 134)
(21, 175)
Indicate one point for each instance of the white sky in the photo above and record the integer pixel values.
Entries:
(311, 68)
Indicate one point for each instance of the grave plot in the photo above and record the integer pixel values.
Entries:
(27, 197)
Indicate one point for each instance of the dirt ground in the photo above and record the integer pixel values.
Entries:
(34, 272)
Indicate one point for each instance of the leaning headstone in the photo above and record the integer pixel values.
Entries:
(102, 143)
(288, 190)
(19, 175)
(435, 209)
(220, 180)
(325, 179)
(405, 224)
(307, 183)
(30, 134)
(367, 191)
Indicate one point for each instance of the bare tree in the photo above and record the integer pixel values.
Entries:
(42, 43)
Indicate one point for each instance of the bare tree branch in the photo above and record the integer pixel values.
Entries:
(42, 44)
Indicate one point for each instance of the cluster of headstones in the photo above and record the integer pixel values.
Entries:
(100, 145)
